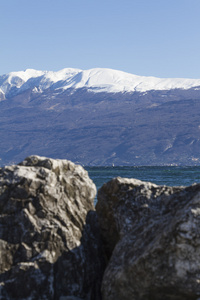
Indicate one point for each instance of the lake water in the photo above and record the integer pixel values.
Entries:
(172, 175)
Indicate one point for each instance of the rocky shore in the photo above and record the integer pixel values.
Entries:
(141, 242)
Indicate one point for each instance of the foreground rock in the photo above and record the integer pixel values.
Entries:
(49, 241)
(152, 234)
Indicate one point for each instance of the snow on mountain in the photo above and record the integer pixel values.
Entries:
(117, 81)
(17, 79)
(96, 80)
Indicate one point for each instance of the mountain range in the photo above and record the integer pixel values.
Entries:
(99, 117)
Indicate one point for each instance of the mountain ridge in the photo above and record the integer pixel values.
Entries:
(96, 80)
(91, 125)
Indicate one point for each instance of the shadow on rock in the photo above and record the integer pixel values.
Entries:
(76, 274)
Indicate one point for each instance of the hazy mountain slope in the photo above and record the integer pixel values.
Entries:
(132, 128)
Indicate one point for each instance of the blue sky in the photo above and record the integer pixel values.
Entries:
(143, 37)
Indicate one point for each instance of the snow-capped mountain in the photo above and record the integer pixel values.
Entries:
(96, 80)
(99, 117)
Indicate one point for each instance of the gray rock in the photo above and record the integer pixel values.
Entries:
(152, 238)
(49, 235)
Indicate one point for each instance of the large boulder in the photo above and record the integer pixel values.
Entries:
(152, 240)
(49, 236)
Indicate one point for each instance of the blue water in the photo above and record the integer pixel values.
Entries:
(172, 176)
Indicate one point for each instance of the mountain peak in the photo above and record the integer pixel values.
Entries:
(96, 80)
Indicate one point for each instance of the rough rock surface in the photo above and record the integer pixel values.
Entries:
(155, 233)
(49, 241)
